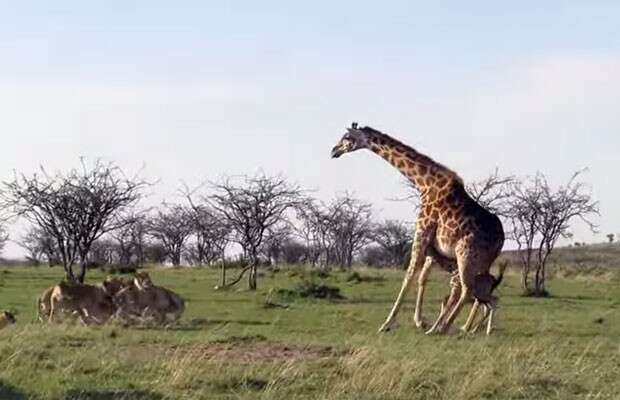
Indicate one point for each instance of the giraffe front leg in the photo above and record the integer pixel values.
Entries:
(472, 315)
(492, 307)
(417, 317)
(417, 262)
(485, 315)
(465, 293)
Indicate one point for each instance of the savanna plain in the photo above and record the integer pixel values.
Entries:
(276, 344)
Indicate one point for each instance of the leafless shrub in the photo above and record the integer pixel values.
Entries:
(40, 247)
(394, 239)
(4, 237)
(75, 208)
(251, 205)
(130, 239)
(171, 226)
(334, 232)
(539, 216)
(492, 192)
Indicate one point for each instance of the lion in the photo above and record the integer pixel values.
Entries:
(6, 318)
(143, 301)
(44, 304)
(90, 303)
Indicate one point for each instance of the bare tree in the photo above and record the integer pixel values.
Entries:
(252, 205)
(350, 227)
(154, 252)
(275, 239)
(524, 213)
(374, 255)
(394, 238)
(314, 229)
(293, 252)
(75, 208)
(541, 215)
(492, 192)
(130, 239)
(334, 232)
(104, 251)
(212, 233)
(39, 246)
(171, 226)
(4, 237)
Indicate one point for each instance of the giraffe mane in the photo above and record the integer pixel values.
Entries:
(368, 129)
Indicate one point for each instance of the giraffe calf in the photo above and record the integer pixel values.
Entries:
(482, 295)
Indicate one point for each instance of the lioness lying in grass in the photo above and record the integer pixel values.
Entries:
(145, 302)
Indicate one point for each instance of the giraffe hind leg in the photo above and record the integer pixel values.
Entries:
(455, 292)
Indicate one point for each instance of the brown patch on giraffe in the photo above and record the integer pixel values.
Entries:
(442, 182)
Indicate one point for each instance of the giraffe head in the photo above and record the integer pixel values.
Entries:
(355, 139)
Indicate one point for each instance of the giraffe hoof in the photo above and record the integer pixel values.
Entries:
(431, 331)
(421, 324)
(385, 328)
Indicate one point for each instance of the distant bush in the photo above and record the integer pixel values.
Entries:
(356, 277)
(305, 289)
(309, 274)
(316, 290)
(118, 269)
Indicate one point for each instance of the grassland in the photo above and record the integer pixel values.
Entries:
(230, 345)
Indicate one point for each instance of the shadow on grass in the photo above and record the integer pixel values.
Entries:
(578, 297)
(197, 325)
(8, 392)
(79, 394)
(239, 322)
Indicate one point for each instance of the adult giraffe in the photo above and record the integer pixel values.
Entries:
(451, 227)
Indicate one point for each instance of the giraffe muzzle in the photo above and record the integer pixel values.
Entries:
(337, 151)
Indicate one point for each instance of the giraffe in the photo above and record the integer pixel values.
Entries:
(451, 228)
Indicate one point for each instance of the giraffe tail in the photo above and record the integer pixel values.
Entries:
(498, 279)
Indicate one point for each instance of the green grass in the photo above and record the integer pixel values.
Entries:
(230, 346)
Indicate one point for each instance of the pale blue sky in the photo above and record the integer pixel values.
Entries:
(194, 90)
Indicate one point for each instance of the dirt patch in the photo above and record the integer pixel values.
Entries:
(252, 349)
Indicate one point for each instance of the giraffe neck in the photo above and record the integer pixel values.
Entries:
(423, 172)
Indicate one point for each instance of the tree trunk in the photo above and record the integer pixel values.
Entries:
(542, 291)
(252, 277)
(69, 274)
(82, 275)
(223, 272)
(525, 273)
